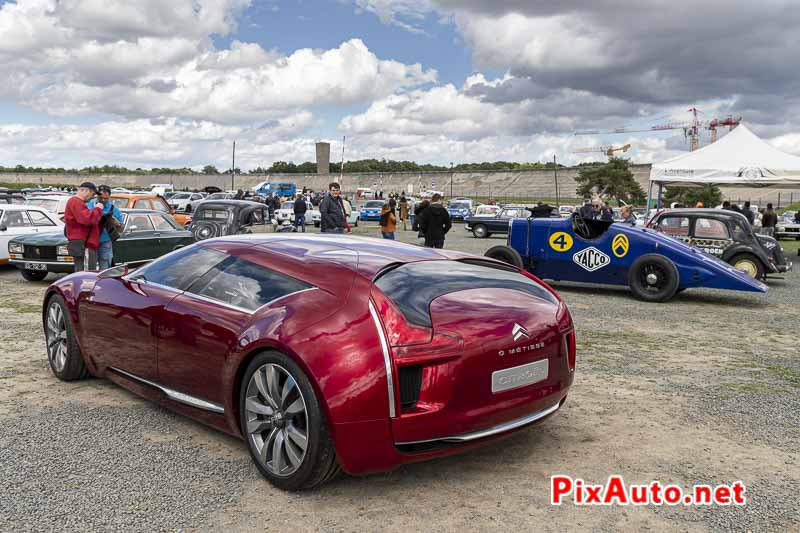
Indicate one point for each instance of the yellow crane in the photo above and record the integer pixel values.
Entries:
(608, 150)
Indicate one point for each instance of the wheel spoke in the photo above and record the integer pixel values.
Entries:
(277, 453)
(297, 436)
(265, 449)
(261, 383)
(272, 384)
(295, 456)
(287, 389)
(258, 426)
(254, 406)
(297, 407)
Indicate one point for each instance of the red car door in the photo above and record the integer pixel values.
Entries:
(119, 320)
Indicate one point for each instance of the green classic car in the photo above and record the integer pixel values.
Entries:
(146, 234)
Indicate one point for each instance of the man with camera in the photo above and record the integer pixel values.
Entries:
(110, 226)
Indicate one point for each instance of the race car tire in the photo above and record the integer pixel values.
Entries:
(63, 352)
(480, 231)
(33, 275)
(506, 254)
(653, 278)
(749, 264)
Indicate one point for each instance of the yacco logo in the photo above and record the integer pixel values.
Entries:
(519, 332)
(590, 259)
(620, 245)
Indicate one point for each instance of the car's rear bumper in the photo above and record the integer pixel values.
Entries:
(364, 447)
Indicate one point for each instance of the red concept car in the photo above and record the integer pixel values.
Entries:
(323, 352)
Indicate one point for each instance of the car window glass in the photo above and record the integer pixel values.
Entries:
(181, 268)
(1, 217)
(256, 217)
(196, 197)
(121, 203)
(17, 219)
(739, 233)
(672, 225)
(213, 214)
(160, 204)
(709, 228)
(160, 224)
(180, 196)
(143, 204)
(45, 203)
(137, 223)
(244, 284)
(40, 219)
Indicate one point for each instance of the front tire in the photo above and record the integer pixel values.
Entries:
(480, 231)
(505, 254)
(33, 275)
(749, 264)
(653, 278)
(63, 352)
(284, 425)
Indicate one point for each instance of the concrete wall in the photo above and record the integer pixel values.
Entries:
(504, 183)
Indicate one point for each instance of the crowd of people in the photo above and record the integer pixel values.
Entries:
(92, 224)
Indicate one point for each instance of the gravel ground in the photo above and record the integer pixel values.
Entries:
(704, 389)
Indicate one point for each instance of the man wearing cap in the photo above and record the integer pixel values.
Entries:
(82, 228)
(110, 226)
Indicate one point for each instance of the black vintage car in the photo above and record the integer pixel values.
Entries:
(725, 234)
(483, 226)
(216, 218)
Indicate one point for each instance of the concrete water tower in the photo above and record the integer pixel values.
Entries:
(323, 158)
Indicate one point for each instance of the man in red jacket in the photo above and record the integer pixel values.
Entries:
(82, 225)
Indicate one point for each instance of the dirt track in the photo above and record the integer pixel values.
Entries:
(704, 389)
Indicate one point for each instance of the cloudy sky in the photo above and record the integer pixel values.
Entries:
(146, 83)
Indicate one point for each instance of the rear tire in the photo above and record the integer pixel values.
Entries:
(653, 278)
(505, 254)
(63, 353)
(33, 275)
(749, 264)
(480, 231)
(283, 424)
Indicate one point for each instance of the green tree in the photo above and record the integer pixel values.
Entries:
(710, 195)
(210, 169)
(612, 180)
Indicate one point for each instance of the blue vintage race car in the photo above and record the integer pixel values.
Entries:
(654, 266)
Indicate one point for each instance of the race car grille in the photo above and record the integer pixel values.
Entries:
(40, 252)
(410, 382)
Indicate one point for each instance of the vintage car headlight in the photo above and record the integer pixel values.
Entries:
(14, 248)
(780, 228)
(62, 250)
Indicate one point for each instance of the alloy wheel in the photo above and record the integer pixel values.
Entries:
(276, 419)
(56, 337)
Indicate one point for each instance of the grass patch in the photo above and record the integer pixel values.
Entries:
(753, 387)
(786, 374)
(21, 308)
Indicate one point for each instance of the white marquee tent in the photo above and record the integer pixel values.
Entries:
(740, 159)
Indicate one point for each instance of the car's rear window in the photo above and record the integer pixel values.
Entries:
(413, 286)
(374, 203)
(213, 214)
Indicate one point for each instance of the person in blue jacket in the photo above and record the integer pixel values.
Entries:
(105, 253)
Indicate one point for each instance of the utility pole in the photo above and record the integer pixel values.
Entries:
(341, 168)
(555, 176)
(233, 167)
(451, 179)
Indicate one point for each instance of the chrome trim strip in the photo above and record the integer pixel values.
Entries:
(508, 426)
(175, 395)
(387, 363)
(20, 261)
(242, 309)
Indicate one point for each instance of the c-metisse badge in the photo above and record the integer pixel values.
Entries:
(591, 259)
(620, 245)
(560, 241)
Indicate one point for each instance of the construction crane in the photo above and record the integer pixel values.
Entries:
(690, 130)
(608, 150)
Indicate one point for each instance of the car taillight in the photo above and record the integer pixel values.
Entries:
(568, 348)
(412, 343)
